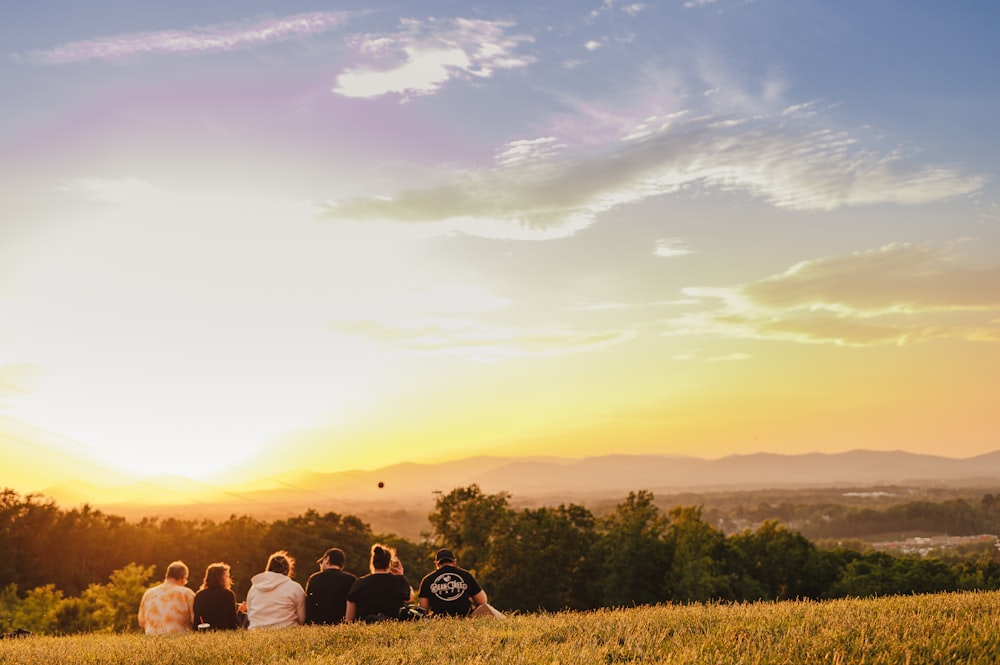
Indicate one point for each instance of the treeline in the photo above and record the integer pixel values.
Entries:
(78, 570)
(564, 557)
(72, 549)
(956, 517)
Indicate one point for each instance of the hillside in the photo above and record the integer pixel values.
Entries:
(945, 628)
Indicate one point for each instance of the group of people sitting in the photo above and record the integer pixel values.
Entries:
(331, 595)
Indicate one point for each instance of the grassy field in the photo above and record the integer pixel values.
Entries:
(947, 628)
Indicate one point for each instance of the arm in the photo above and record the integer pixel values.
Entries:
(199, 608)
(142, 612)
(479, 599)
(425, 604)
(300, 606)
(231, 617)
(352, 609)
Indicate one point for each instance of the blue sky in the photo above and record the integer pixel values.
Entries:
(431, 230)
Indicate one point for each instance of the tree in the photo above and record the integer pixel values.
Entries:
(778, 559)
(696, 573)
(37, 611)
(102, 543)
(465, 520)
(116, 603)
(632, 553)
(9, 601)
(880, 574)
(27, 539)
(541, 559)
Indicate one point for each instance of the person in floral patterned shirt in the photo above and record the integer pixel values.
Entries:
(168, 607)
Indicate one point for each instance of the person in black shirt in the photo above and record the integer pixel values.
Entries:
(450, 590)
(383, 593)
(215, 602)
(326, 590)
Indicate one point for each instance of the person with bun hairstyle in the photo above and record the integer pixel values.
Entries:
(383, 593)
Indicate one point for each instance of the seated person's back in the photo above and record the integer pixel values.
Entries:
(450, 590)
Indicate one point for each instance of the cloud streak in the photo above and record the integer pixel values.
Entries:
(110, 190)
(481, 342)
(897, 294)
(209, 39)
(901, 277)
(424, 55)
(542, 189)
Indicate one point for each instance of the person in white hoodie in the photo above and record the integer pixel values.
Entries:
(275, 600)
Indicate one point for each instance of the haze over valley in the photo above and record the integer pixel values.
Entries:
(408, 490)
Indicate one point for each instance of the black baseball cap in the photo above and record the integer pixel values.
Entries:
(335, 555)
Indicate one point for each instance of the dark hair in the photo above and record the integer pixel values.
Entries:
(215, 576)
(381, 556)
(177, 570)
(281, 562)
(336, 557)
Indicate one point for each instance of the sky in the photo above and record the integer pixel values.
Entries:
(243, 238)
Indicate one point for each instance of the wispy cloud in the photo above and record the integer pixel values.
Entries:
(424, 55)
(528, 151)
(668, 247)
(901, 277)
(634, 8)
(110, 190)
(782, 158)
(478, 341)
(897, 294)
(208, 39)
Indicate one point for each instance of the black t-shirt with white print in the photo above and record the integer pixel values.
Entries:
(448, 590)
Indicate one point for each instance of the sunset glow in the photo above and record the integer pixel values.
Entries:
(237, 241)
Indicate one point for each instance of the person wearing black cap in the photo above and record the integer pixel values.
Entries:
(326, 590)
(450, 590)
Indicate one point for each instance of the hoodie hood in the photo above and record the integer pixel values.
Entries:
(274, 601)
(269, 580)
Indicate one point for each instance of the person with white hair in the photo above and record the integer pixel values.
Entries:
(168, 607)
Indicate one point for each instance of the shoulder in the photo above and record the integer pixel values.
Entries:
(181, 590)
(215, 592)
(453, 570)
(359, 584)
(464, 573)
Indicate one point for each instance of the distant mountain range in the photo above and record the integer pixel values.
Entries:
(407, 486)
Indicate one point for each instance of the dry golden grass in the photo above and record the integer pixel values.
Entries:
(946, 628)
